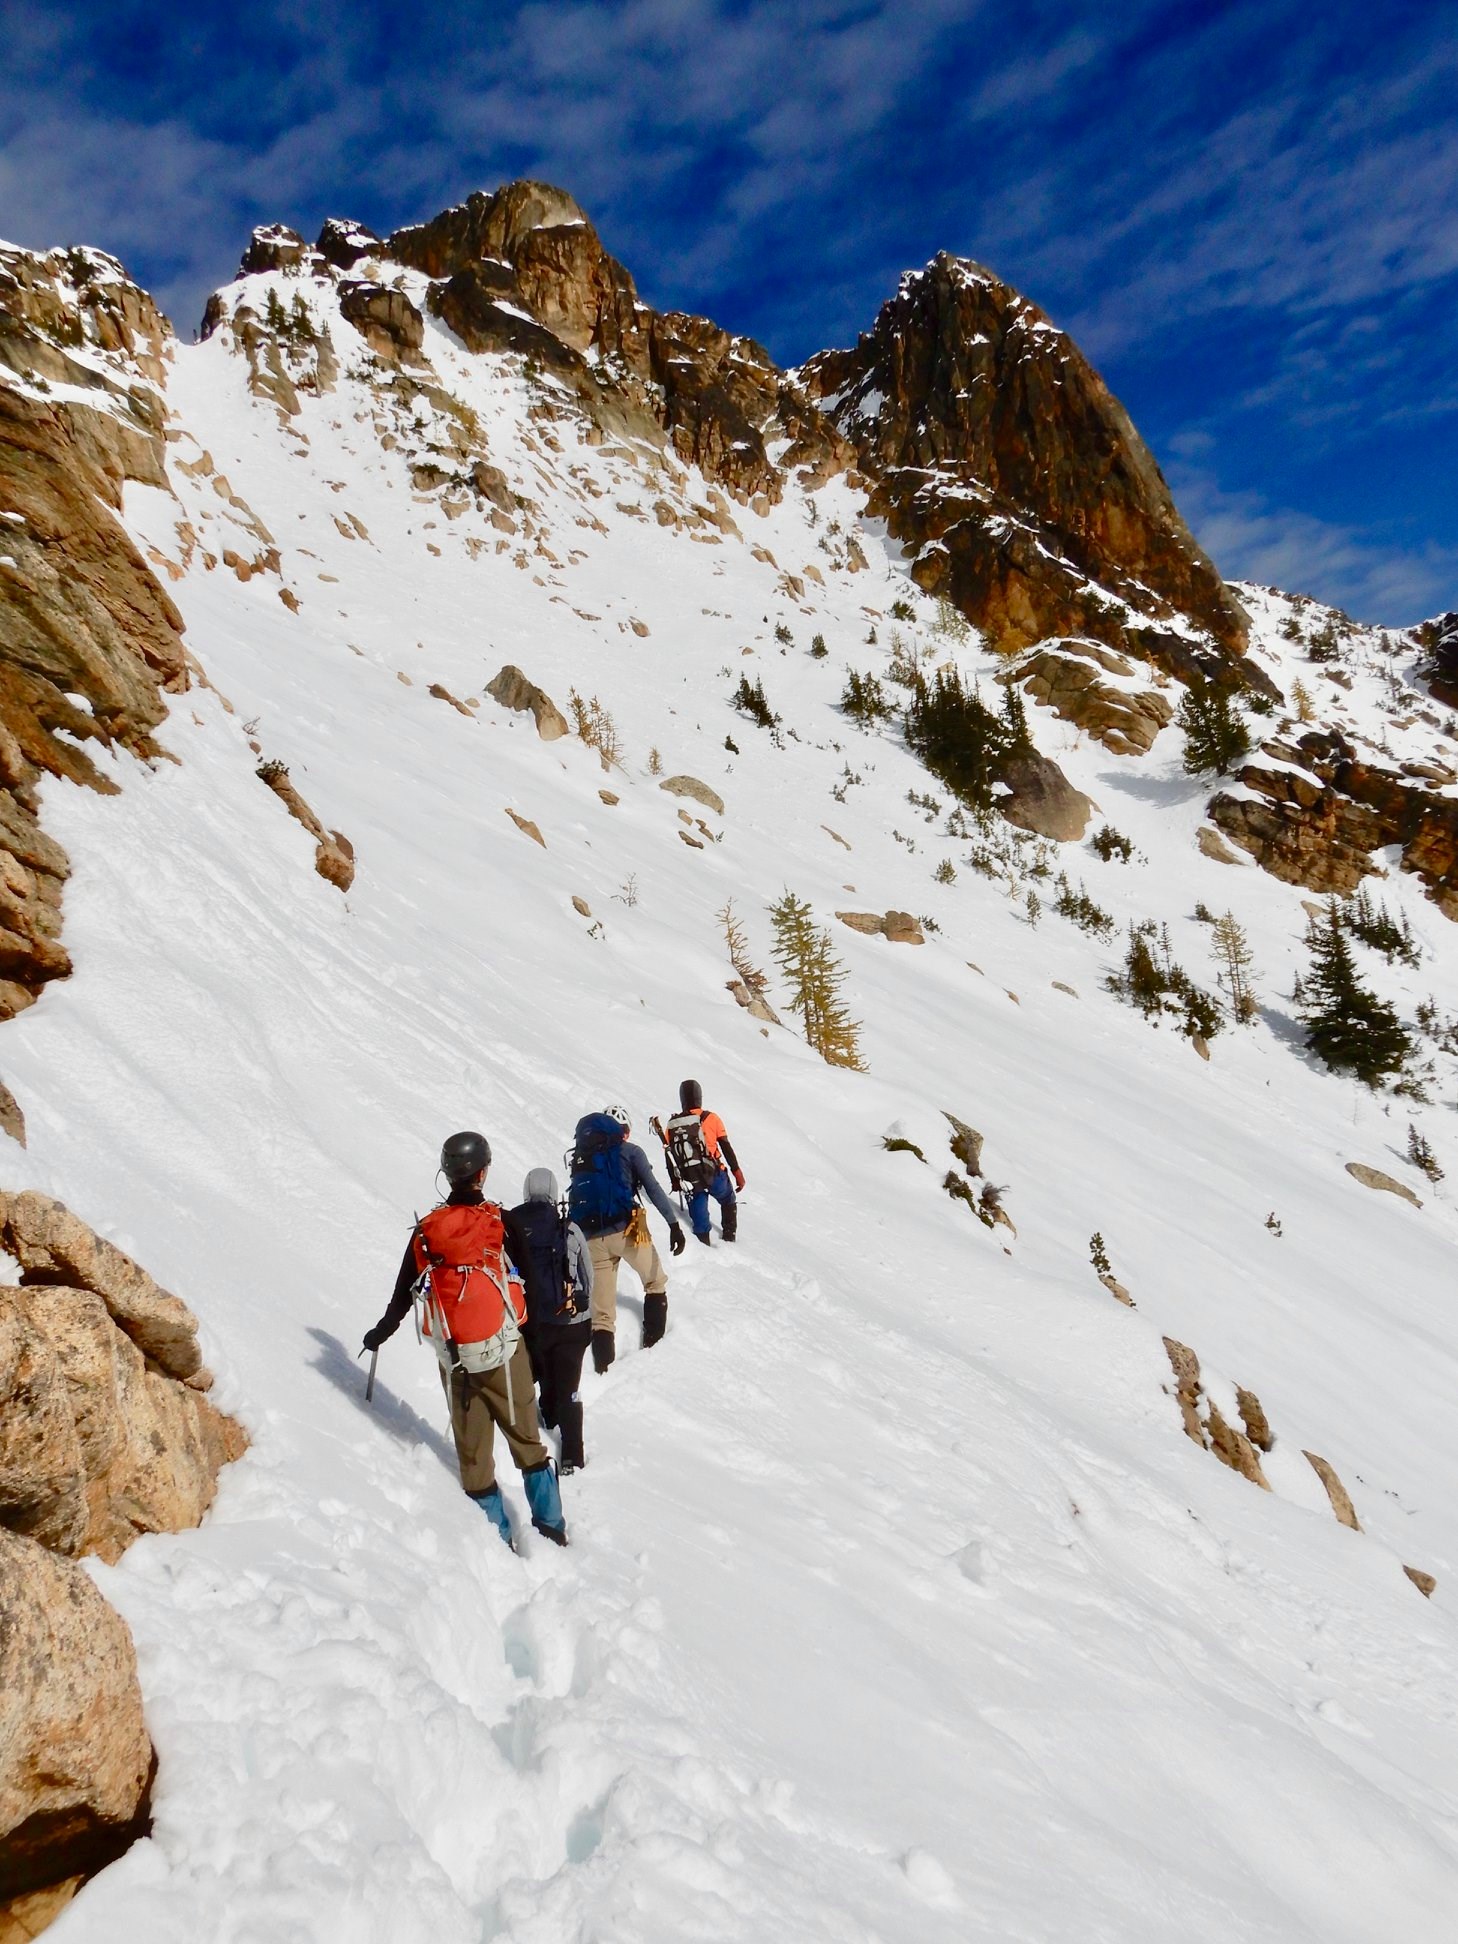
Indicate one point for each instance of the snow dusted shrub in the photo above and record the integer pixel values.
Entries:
(818, 648)
(596, 728)
(1082, 910)
(1109, 843)
(957, 736)
(950, 623)
(1151, 980)
(1374, 925)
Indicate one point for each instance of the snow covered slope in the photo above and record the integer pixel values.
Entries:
(898, 1607)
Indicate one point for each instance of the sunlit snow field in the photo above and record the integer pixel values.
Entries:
(898, 1607)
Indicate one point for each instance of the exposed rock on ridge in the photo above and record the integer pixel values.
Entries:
(104, 1434)
(88, 639)
(997, 451)
(1315, 817)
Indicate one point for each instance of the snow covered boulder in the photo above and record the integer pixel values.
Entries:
(690, 786)
(1374, 1178)
(75, 1760)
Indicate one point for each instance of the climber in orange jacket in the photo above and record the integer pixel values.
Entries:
(702, 1162)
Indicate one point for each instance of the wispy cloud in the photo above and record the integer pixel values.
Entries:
(1249, 538)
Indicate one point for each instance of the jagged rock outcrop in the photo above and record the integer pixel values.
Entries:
(333, 852)
(1070, 680)
(105, 1434)
(718, 397)
(513, 690)
(386, 319)
(1439, 640)
(1316, 819)
(88, 638)
(999, 455)
(75, 1759)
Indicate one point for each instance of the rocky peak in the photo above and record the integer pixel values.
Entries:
(999, 452)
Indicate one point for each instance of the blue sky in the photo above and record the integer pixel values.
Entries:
(1247, 214)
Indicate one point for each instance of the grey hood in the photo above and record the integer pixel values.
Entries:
(540, 1185)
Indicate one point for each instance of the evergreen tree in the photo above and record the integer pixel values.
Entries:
(864, 700)
(750, 700)
(1215, 734)
(1347, 1025)
(1235, 959)
(957, 736)
(1420, 1153)
(803, 954)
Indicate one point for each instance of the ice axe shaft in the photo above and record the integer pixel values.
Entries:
(370, 1380)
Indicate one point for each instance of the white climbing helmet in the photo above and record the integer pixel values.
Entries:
(618, 1112)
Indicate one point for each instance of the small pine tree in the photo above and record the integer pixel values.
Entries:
(864, 700)
(957, 736)
(951, 624)
(1301, 701)
(804, 956)
(946, 872)
(783, 635)
(1347, 1025)
(750, 700)
(655, 763)
(902, 611)
(1098, 1255)
(818, 648)
(1234, 958)
(1035, 909)
(1216, 737)
(737, 946)
(1421, 1155)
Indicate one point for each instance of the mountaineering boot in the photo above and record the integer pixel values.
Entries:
(604, 1349)
(494, 1506)
(546, 1503)
(702, 1235)
(731, 1221)
(655, 1319)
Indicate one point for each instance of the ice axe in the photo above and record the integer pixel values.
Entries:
(370, 1380)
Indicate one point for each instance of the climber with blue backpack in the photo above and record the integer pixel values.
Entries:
(460, 1275)
(558, 1269)
(608, 1173)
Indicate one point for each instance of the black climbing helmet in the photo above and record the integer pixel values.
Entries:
(463, 1157)
(690, 1096)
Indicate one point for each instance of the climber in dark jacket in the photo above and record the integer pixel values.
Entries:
(557, 1265)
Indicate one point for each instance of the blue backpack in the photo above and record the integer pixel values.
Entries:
(601, 1197)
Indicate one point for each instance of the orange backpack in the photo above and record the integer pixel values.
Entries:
(472, 1297)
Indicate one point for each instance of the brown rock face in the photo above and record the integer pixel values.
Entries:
(100, 1441)
(1440, 639)
(1319, 824)
(1070, 681)
(513, 690)
(1042, 799)
(81, 616)
(998, 454)
(386, 319)
(75, 1761)
(719, 398)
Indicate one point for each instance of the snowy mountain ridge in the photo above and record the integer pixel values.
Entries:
(902, 1600)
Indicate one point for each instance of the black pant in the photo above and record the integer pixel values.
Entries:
(557, 1350)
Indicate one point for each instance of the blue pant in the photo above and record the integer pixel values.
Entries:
(722, 1189)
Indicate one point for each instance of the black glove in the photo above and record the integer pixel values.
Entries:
(375, 1337)
(676, 1242)
(604, 1349)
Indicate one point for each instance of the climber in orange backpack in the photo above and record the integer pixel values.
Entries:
(460, 1268)
(701, 1162)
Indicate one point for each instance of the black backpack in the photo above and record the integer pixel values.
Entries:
(551, 1294)
(689, 1159)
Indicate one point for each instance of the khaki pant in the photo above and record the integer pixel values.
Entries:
(479, 1403)
(607, 1251)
